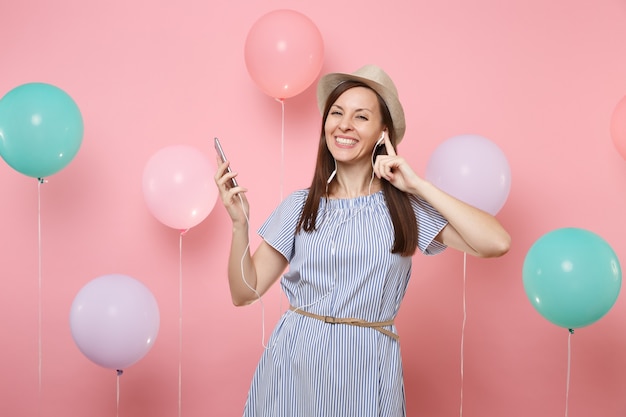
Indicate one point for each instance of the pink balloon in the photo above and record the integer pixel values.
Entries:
(284, 52)
(114, 321)
(618, 127)
(178, 186)
(472, 169)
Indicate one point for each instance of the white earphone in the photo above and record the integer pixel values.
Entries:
(381, 140)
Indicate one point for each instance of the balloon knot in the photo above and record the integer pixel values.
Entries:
(183, 232)
(571, 331)
(41, 180)
(119, 372)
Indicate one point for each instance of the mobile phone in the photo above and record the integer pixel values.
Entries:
(220, 152)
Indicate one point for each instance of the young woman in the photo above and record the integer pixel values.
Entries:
(347, 242)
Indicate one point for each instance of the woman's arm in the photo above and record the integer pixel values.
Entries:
(469, 229)
(249, 276)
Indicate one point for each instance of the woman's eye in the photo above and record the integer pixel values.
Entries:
(362, 117)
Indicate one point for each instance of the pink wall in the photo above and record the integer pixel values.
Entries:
(538, 78)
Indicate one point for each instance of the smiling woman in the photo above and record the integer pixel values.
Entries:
(348, 240)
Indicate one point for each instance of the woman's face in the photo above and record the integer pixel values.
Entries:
(354, 125)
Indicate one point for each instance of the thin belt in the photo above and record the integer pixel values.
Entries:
(377, 325)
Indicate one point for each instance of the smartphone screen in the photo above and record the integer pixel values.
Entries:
(220, 152)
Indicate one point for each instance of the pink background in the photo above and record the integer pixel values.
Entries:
(539, 78)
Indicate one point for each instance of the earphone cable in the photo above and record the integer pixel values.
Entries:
(243, 277)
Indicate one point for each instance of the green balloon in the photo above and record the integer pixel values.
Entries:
(572, 277)
(41, 129)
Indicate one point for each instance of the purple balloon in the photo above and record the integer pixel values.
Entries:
(472, 169)
(114, 321)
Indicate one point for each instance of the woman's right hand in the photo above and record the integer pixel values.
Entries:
(233, 198)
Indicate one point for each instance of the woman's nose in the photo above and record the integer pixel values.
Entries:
(344, 124)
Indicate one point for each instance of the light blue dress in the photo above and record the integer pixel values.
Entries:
(344, 269)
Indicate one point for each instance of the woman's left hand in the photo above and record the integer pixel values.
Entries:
(395, 169)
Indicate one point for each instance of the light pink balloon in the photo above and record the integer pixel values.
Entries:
(114, 321)
(472, 169)
(284, 52)
(618, 127)
(178, 186)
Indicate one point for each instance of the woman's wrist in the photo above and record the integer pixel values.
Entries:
(240, 227)
(419, 186)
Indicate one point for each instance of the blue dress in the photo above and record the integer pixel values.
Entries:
(343, 269)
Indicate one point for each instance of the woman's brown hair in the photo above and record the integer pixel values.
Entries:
(398, 203)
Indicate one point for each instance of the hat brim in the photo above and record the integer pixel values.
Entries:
(329, 82)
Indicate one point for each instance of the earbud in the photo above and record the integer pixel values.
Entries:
(381, 140)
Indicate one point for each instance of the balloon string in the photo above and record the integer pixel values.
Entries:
(282, 176)
(180, 322)
(569, 362)
(463, 327)
(39, 292)
(282, 146)
(117, 392)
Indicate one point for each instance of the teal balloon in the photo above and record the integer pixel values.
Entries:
(572, 277)
(41, 129)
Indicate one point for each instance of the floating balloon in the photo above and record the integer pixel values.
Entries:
(572, 277)
(618, 127)
(114, 321)
(472, 169)
(41, 129)
(178, 186)
(284, 52)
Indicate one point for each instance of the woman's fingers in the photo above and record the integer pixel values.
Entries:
(389, 147)
(223, 177)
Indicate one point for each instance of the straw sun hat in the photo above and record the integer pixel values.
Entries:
(375, 78)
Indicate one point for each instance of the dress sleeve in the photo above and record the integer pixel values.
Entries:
(280, 227)
(429, 223)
